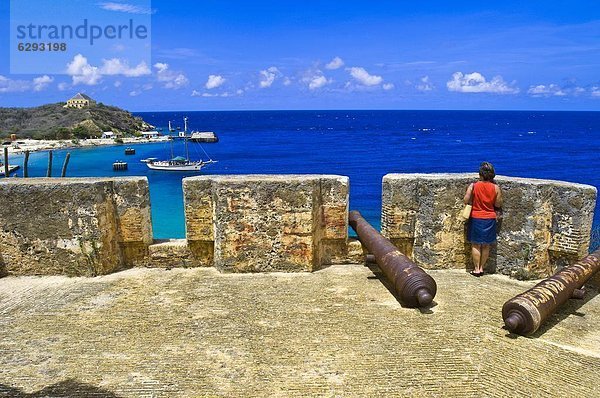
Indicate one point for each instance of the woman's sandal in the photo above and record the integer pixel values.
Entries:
(477, 274)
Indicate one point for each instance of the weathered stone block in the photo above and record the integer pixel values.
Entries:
(546, 223)
(258, 223)
(73, 226)
(171, 253)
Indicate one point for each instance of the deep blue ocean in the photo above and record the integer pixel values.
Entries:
(364, 145)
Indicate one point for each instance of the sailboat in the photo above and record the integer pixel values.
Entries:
(179, 163)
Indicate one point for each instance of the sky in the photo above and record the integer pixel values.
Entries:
(269, 55)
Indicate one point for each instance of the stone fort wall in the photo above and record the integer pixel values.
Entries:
(546, 224)
(262, 223)
(73, 226)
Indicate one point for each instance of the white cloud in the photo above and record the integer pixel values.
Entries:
(595, 91)
(196, 93)
(424, 84)
(171, 79)
(63, 86)
(287, 81)
(140, 89)
(335, 63)
(554, 90)
(10, 86)
(82, 72)
(124, 7)
(268, 76)
(476, 83)
(388, 86)
(318, 82)
(315, 79)
(214, 81)
(40, 83)
(364, 78)
(116, 66)
(162, 67)
(542, 90)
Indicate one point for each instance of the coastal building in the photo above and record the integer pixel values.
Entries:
(108, 134)
(80, 101)
(150, 134)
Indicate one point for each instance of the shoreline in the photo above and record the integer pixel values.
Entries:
(20, 146)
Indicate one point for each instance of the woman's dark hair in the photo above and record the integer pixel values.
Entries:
(487, 172)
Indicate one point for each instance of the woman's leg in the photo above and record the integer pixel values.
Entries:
(476, 253)
(485, 254)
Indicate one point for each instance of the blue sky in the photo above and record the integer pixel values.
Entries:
(236, 55)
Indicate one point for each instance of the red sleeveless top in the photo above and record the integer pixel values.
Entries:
(484, 198)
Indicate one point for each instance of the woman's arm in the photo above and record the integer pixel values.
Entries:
(499, 200)
(468, 199)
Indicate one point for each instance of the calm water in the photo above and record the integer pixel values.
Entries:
(363, 145)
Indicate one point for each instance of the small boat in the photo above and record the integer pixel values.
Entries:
(129, 151)
(119, 166)
(204, 136)
(198, 136)
(179, 163)
(171, 129)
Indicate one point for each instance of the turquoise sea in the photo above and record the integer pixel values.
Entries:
(363, 145)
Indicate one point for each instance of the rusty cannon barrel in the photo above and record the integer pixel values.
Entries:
(525, 313)
(414, 287)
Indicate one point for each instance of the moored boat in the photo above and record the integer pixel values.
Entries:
(179, 163)
(204, 136)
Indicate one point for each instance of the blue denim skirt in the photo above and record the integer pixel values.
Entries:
(482, 231)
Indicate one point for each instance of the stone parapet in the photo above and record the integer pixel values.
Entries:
(73, 226)
(258, 223)
(546, 223)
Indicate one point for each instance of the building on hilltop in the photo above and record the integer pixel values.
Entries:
(80, 101)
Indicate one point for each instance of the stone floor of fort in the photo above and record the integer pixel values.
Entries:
(335, 332)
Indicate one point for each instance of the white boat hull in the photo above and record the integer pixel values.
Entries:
(177, 166)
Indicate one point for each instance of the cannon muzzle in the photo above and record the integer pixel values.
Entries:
(413, 286)
(525, 313)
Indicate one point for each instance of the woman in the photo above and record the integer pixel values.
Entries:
(484, 195)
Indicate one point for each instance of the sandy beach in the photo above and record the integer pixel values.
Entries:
(20, 146)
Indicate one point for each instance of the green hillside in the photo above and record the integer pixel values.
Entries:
(53, 121)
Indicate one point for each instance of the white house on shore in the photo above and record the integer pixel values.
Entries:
(150, 134)
(80, 101)
(108, 134)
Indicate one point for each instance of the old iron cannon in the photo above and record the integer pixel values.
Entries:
(525, 313)
(414, 287)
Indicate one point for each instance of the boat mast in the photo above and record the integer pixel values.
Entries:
(187, 152)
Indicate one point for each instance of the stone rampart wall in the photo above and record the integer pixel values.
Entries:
(73, 226)
(257, 223)
(546, 223)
